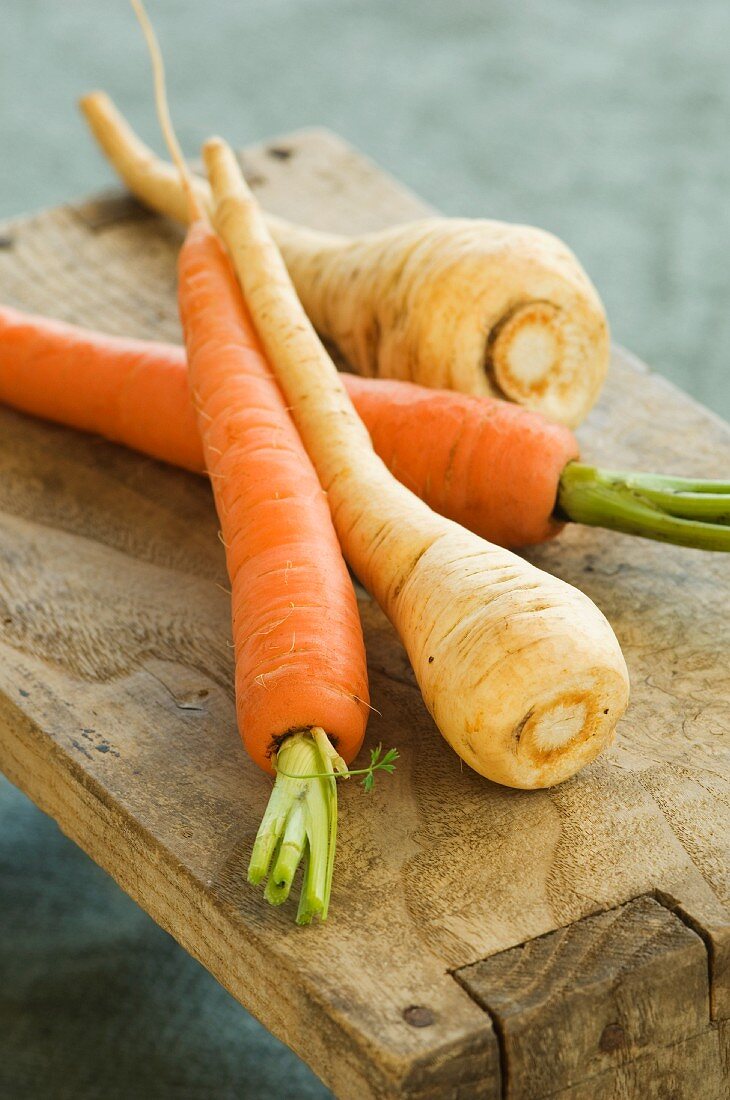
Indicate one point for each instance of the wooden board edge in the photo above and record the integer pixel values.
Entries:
(661, 1075)
(641, 367)
(708, 1032)
(717, 946)
(342, 1056)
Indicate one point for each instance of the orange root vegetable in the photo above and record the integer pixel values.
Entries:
(301, 678)
(130, 391)
(491, 466)
(300, 660)
(471, 305)
(521, 672)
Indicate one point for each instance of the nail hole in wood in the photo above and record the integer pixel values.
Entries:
(612, 1038)
(280, 152)
(418, 1016)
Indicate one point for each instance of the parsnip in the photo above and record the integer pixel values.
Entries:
(477, 306)
(521, 672)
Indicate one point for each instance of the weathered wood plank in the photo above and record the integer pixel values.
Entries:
(362, 1050)
(724, 1038)
(113, 629)
(134, 681)
(582, 1001)
(689, 1070)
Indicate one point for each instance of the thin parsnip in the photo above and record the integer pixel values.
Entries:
(471, 305)
(521, 671)
(502, 471)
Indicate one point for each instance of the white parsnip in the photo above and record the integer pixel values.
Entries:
(521, 671)
(472, 305)
(453, 303)
(150, 179)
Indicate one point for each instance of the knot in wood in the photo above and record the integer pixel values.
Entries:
(418, 1016)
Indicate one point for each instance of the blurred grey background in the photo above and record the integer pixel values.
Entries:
(606, 123)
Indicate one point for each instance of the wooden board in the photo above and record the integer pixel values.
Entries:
(117, 718)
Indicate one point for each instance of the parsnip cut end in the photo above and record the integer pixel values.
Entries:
(527, 351)
(567, 731)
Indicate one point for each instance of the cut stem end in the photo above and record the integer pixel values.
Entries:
(671, 509)
(300, 824)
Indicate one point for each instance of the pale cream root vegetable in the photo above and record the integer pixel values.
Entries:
(477, 306)
(521, 671)
(154, 182)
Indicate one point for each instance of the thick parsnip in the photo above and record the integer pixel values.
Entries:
(477, 306)
(453, 303)
(521, 672)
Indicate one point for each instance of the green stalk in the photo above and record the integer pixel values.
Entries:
(300, 824)
(671, 509)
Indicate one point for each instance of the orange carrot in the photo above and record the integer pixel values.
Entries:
(130, 391)
(491, 466)
(488, 464)
(299, 651)
(301, 678)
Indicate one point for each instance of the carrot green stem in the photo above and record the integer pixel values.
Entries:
(671, 509)
(300, 824)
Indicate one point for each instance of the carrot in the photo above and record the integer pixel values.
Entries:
(511, 476)
(472, 305)
(489, 465)
(502, 471)
(301, 680)
(521, 672)
(299, 650)
(130, 391)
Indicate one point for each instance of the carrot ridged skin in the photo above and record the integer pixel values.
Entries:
(300, 656)
(490, 465)
(130, 391)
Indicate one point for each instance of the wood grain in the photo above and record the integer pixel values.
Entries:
(117, 716)
(684, 1071)
(581, 1002)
